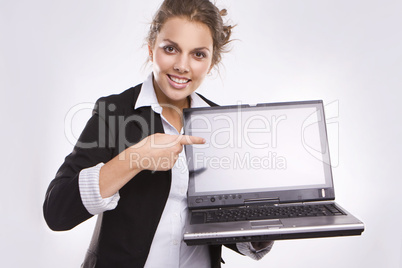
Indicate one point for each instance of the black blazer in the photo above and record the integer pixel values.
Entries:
(125, 236)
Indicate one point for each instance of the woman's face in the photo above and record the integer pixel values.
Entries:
(182, 57)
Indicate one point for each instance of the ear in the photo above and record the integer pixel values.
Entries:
(150, 53)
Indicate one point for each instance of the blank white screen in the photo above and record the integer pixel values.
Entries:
(246, 150)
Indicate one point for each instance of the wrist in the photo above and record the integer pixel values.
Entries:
(133, 158)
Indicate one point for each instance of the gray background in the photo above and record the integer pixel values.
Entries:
(55, 55)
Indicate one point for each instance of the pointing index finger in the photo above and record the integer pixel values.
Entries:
(188, 140)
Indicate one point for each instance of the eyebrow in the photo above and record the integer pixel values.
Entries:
(177, 45)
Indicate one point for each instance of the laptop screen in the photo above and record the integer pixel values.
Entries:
(257, 149)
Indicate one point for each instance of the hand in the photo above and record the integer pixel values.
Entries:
(159, 152)
(261, 245)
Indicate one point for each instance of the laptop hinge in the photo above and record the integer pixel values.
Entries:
(262, 201)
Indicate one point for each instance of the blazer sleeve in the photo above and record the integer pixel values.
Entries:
(63, 208)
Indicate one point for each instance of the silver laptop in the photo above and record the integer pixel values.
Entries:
(264, 173)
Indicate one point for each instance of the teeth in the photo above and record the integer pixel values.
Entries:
(178, 80)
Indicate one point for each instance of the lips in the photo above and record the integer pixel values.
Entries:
(178, 79)
(178, 82)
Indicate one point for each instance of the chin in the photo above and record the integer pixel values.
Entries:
(179, 96)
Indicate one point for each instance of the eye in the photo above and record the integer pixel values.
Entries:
(169, 49)
(200, 55)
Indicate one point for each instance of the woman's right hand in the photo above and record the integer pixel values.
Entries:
(159, 152)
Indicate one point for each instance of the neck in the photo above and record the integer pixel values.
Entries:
(172, 111)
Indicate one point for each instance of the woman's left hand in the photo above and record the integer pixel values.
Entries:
(261, 245)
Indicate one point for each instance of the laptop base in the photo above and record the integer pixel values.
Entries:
(232, 240)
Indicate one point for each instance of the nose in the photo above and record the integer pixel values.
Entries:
(182, 64)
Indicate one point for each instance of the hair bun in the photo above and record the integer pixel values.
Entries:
(223, 12)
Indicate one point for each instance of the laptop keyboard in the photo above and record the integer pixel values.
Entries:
(270, 212)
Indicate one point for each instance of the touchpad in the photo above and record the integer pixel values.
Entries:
(266, 224)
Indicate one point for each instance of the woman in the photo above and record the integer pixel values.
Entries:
(124, 166)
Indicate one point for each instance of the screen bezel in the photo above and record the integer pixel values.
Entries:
(225, 198)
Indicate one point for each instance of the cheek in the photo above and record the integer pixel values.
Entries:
(162, 61)
(201, 68)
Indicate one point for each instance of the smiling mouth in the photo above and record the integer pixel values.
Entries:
(179, 80)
